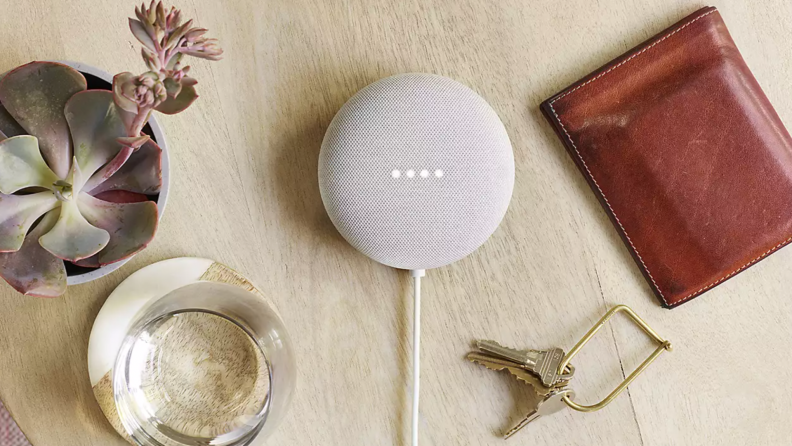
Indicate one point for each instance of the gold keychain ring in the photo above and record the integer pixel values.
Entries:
(665, 345)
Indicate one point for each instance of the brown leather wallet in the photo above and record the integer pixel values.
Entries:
(686, 154)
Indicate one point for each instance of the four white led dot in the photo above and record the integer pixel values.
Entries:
(396, 173)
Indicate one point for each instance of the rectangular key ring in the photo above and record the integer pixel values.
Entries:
(664, 346)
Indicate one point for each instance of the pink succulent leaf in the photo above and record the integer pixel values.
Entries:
(88, 262)
(131, 225)
(173, 62)
(151, 13)
(172, 105)
(73, 238)
(140, 33)
(95, 126)
(140, 15)
(109, 169)
(141, 173)
(194, 34)
(172, 86)
(17, 215)
(205, 49)
(133, 141)
(173, 19)
(127, 117)
(144, 91)
(177, 34)
(148, 17)
(121, 81)
(35, 95)
(160, 15)
(180, 75)
(121, 196)
(32, 270)
(21, 165)
(189, 80)
(150, 59)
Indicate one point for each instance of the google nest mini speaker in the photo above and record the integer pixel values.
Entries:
(416, 171)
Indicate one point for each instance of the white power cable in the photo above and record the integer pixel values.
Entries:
(416, 274)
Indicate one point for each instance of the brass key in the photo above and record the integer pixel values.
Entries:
(550, 404)
(498, 364)
(544, 363)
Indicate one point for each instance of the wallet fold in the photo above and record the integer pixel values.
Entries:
(685, 153)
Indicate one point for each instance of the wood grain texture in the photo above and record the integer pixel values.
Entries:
(244, 192)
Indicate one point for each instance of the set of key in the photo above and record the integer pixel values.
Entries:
(549, 371)
(539, 368)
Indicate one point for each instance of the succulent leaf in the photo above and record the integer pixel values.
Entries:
(145, 91)
(177, 33)
(32, 270)
(131, 225)
(173, 105)
(95, 126)
(127, 117)
(35, 95)
(120, 81)
(141, 173)
(160, 14)
(88, 262)
(73, 238)
(174, 61)
(194, 34)
(8, 125)
(121, 196)
(17, 215)
(173, 19)
(203, 48)
(151, 13)
(150, 59)
(21, 165)
(133, 141)
(109, 169)
(140, 33)
(172, 86)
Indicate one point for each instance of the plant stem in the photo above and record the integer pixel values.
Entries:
(140, 120)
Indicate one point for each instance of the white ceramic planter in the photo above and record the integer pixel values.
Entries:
(159, 138)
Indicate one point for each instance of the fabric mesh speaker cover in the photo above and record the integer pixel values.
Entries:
(416, 171)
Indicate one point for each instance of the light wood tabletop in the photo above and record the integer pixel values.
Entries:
(244, 192)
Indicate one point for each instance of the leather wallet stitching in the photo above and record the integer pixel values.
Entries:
(633, 56)
(767, 253)
(605, 198)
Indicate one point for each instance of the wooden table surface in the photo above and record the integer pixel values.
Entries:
(244, 192)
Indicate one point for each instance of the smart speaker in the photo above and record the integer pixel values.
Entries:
(416, 171)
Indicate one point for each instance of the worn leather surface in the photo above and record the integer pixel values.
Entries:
(686, 154)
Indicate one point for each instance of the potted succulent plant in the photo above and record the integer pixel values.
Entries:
(81, 169)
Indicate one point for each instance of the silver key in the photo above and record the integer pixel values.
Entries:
(552, 403)
(543, 363)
